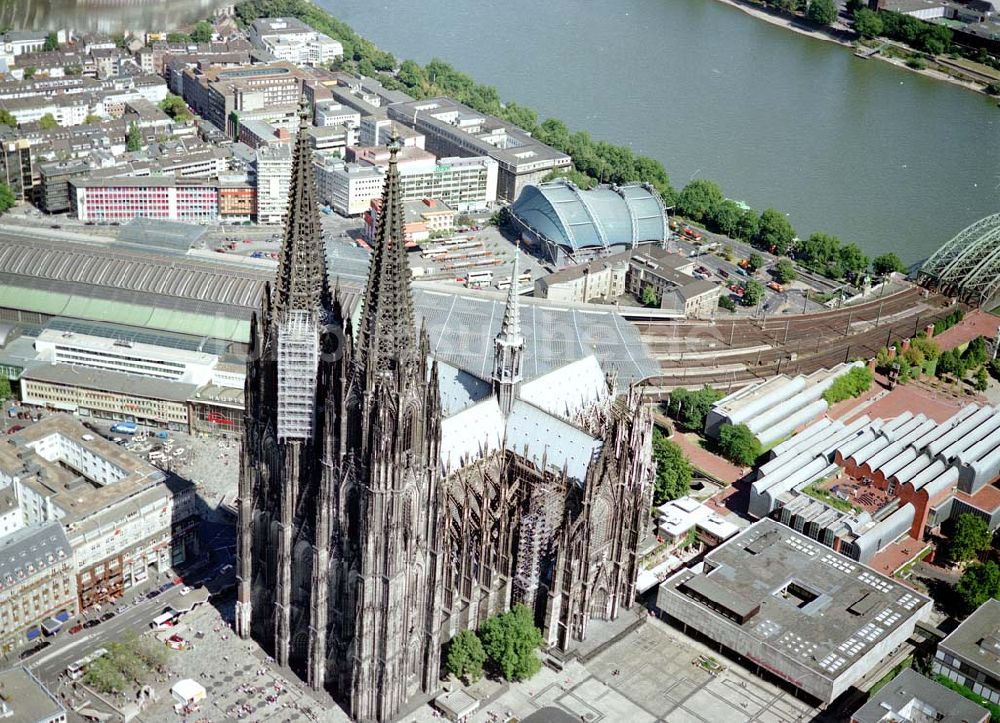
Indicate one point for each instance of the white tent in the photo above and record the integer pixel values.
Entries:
(187, 692)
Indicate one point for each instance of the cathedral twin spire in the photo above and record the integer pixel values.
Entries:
(386, 338)
(302, 282)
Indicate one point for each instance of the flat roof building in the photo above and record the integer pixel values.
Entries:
(454, 129)
(25, 699)
(912, 698)
(785, 603)
(970, 655)
(121, 515)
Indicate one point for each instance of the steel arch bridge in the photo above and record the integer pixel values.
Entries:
(968, 266)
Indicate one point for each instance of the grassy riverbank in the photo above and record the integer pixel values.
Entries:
(961, 72)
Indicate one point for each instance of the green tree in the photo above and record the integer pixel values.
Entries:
(970, 536)
(755, 261)
(133, 139)
(982, 382)
(819, 251)
(867, 23)
(975, 353)
(888, 264)
(784, 271)
(91, 119)
(822, 12)
(29, 72)
(48, 122)
(4, 386)
(51, 42)
(510, 641)
(178, 38)
(7, 199)
(412, 75)
(753, 293)
(852, 259)
(738, 444)
(673, 470)
(73, 70)
(7, 118)
(979, 583)
(774, 233)
(748, 226)
(691, 408)
(855, 382)
(175, 107)
(726, 218)
(700, 199)
(465, 656)
(649, 297)
(726, 302)
(202, 32)
(104, 675)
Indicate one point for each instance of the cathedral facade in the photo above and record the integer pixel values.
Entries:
(388, 500)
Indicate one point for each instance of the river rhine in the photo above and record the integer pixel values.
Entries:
(855, 147)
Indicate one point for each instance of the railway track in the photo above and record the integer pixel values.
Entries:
(753, 351)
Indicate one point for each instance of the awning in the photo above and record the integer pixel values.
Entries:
(63, 616)
(51, 626)
(33, 632)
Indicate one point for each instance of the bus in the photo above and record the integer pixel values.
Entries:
(478, 279)
(522, 281)
(164, 621)
(75, 670)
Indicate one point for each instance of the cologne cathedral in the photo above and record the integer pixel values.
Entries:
(388, 500)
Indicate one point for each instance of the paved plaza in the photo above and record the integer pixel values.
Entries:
(650, 675)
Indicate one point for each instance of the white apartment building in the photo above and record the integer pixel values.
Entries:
(177, 365)
(121, 515)
(347, 187)
(292, 40)
(330, 113)
(273, 172)
(464, 184)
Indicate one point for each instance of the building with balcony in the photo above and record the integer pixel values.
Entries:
(272, 171)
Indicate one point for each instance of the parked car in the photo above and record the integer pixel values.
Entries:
(75, 629)
(151, 594)
(107, 616)
(91, 624)
(15, 428)
(185, 590)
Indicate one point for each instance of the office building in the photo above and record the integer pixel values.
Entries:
(272, 169)
(117, 200)
(453, 129)
(782, 603)
(912, 698)
(292, 40)
(970, 655)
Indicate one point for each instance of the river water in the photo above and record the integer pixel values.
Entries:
(858, 148)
